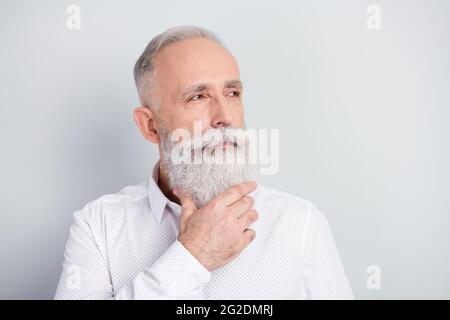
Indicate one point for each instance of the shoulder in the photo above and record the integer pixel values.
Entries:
(112, 204)
(277, 198)
(282, 203)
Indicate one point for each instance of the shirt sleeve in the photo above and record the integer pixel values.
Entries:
(323, 273)
(176, 274)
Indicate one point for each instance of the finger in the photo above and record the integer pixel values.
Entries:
(241, 206)
(247, 236)
(235, 192)
(187, 204)
(247, 219)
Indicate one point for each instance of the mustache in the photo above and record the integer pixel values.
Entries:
(214, 137)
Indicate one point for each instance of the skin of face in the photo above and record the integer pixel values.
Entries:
(196, 80)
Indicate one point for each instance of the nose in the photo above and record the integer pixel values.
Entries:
(221, 113)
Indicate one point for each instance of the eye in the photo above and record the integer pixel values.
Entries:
(197, 97)
(234, 93)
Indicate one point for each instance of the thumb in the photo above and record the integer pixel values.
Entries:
(187, 204)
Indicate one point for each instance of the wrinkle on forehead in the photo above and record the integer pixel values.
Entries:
(191, 62)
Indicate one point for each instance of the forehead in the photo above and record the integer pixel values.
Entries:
(193, 61)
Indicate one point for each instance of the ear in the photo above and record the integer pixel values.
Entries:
(146, 121)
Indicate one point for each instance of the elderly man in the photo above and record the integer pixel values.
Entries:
(198, 229)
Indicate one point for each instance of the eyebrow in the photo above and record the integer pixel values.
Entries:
(233, 84)
(204, 86)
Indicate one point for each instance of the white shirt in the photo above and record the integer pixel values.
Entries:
(124, 246)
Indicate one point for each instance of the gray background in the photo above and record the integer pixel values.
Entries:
(362, 116)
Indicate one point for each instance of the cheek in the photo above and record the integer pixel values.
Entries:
(193, 125)
(200, 119)
(180, 120)
(238, 116)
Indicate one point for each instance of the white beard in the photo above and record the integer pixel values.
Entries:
(218, 169)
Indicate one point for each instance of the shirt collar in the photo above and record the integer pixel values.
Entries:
(156, 198)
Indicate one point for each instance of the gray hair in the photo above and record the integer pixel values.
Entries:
(144, 69)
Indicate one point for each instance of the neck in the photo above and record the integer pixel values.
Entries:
(163, 183)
